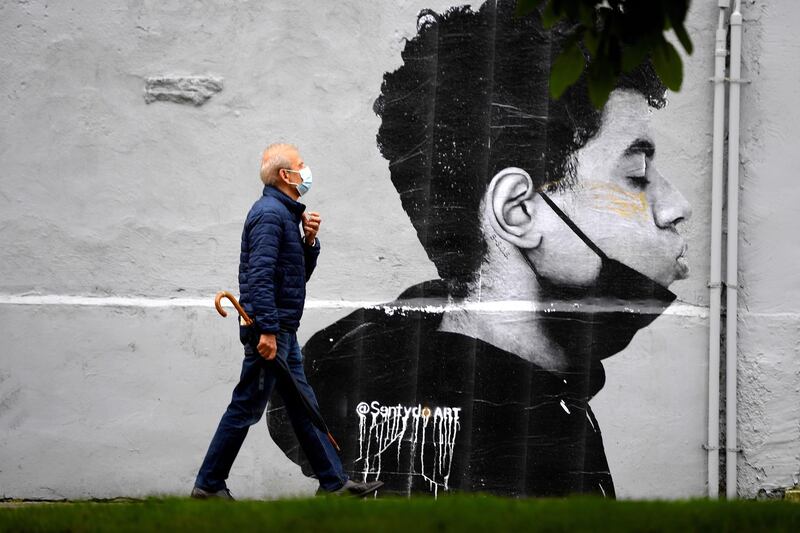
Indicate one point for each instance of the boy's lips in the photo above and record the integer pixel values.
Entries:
(682, 263)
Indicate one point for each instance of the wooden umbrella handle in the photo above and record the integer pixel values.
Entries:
(242, 313)
(333, 441)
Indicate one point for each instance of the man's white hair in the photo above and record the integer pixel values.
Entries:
(275, 157)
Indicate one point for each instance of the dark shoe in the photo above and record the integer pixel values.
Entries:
(201, 494)
(353, 488)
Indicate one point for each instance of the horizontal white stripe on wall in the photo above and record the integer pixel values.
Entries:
(508, 306)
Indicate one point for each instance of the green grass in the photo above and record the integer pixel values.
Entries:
(449, 513)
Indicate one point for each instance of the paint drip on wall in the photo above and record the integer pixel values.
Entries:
(429, 432)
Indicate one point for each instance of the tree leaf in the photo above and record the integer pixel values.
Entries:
(566, 70)
(668, 65)
(587, 14)
(676, 14)
(683, 37)
(633, 56)
(601, 81)
(549, 15)
(526, 6)
(591, 41)
(676, 10)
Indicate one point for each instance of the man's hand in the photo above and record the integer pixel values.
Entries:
(311, 222)
(267, 346)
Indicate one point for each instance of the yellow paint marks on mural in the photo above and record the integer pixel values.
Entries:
(617, 200)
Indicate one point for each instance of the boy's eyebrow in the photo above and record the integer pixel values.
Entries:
(641, 146)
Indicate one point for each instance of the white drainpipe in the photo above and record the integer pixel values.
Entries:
(732, 282)
(715, 277)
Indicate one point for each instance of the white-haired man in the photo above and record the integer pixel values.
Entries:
(277, 259)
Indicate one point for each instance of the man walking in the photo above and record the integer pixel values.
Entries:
(276, 261)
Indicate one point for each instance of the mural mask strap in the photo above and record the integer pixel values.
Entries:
(596, 249)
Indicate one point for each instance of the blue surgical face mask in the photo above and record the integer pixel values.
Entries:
(304, 186)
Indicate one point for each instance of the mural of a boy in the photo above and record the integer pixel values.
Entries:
(555, 238)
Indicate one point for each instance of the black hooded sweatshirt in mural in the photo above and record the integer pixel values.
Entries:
(426, 410)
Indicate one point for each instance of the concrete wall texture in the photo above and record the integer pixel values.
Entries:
(120, 219)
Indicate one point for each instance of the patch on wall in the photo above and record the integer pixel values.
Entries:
(194, 90)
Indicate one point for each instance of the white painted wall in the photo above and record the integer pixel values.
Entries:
(769, 253)
(125, 218)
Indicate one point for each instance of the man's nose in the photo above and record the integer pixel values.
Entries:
(669, 205)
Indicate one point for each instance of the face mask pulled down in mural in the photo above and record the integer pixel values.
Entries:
(305, 185)
(595, 322)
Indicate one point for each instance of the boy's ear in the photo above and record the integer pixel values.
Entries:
(510, 208)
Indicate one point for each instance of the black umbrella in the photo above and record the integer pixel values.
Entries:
(310, 407)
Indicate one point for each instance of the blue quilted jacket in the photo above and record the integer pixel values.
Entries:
(275, 262)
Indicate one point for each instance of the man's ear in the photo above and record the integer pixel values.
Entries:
(509, 207)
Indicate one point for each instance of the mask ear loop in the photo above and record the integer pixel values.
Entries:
(290, 183)
(586, 240)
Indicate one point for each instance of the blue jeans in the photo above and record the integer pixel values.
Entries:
(247, 407)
